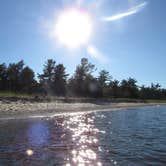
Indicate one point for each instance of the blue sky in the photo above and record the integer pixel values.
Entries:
(133, 45)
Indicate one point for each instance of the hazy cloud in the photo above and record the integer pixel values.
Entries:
(129, 12)
(95, 53)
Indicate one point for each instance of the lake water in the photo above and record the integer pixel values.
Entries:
(125, 137)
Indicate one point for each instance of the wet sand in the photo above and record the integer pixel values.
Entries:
(20, 109)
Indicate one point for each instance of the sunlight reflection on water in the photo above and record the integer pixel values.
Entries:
(84, 136)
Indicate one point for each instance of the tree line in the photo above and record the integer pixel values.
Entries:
(54, 80)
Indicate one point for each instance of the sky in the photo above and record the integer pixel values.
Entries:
(128, 37)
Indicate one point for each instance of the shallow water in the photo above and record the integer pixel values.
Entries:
(127, 137)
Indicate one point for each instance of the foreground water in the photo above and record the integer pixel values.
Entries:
(127, 137)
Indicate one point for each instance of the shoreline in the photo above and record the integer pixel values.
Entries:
(24, 110)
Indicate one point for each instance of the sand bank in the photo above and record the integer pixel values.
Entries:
(21, 109)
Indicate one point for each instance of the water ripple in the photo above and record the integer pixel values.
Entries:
(130, 137)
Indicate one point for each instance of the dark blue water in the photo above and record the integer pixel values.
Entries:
(126, 137)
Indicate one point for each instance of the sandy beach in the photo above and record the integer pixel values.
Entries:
(24, 109)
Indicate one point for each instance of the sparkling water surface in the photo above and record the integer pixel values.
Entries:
(124, 137)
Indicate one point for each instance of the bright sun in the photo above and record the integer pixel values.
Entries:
(73, 28)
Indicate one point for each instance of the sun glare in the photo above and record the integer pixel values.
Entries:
(73, 28)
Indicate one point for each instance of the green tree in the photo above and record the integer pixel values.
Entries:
(151, 92)
(27, 80)
(79, 80)
(103, 80)
(124, 90)
(3, 76)
(13, 75)
(114, 88)
(60, 80)
(133, 88)
(129, 88)
(46, 78)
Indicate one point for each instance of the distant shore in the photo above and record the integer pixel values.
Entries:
(11, 108)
